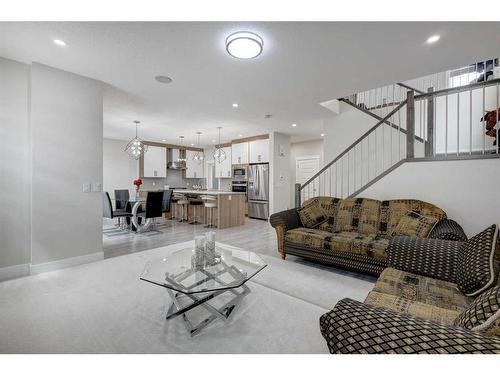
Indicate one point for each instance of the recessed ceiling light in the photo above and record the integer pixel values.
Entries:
(60, 42)
(241, 135)
(294, 125)
(192, 144)
(322, 134)
(163, 79)
(235, 105)
(244, 45)
(213, 140)
(433, 39)
(163, 140)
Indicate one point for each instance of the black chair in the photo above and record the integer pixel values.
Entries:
(121, 199)
(154, 207)
(167, 200)
(107, 209)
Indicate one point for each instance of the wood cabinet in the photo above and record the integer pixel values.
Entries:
(239, 153)
(193, 168)
(155, 162)
(223, 170)
(259, 151)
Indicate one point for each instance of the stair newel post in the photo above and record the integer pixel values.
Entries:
(297, 196)
(410, 125)
(429, 145)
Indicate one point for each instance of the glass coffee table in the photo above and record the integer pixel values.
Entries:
(190, 286)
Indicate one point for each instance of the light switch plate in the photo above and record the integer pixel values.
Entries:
(87, 187)
(97, 187)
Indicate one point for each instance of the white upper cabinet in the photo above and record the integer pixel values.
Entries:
(193, 168)
(155, 162)
(259, 151)
(223, 170)
(239, 153)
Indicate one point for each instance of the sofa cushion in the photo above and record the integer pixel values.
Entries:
(408, 306)
(476, 268)
(391, 212)
(351, 242)
(422, 289)
(366, 244)
(358, 214)
(312, 214)
(412, 224)
(483, 314)
(307, 237)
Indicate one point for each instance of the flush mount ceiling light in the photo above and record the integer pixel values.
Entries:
(163, 79)
(235, 105)
(433, 39)
(244, 45)
(136, 147)
(219, 153)
(294, 125)
(322, 134)
(59, 42)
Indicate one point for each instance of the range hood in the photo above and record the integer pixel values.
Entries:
(173, 159)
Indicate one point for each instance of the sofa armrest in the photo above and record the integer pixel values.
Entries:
(354, 327)
(448, 230)
(427, 257)
(283, 221)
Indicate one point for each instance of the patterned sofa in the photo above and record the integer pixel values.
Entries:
(436, 296)
(353, 233)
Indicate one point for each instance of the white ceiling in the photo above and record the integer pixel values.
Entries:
(302, 65)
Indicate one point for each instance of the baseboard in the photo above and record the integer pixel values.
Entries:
(65, 263)
(12, 272)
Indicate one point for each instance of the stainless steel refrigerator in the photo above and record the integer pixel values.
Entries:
(258, 191)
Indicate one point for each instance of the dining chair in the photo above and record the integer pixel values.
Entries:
(154, 209)
(107, 209)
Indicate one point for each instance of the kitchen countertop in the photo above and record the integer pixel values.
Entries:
(207, 192)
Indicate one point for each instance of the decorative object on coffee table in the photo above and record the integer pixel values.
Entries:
(190, 286)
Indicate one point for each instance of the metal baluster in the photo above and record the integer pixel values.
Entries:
(391, 130)
(470, 120)
(446, 130)
(458, 123)
(496, 120)
(361, 164)
(348, 173)
(355, 169)
(484, 119)
(342, 178)
(336, 179)
(399, 135)
(383, 146)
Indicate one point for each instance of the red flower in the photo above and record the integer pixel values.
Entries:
(138, 182)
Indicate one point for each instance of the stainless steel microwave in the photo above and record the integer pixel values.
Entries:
(239, 173)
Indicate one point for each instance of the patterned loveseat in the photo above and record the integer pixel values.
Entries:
(355, 233)
(437, 296)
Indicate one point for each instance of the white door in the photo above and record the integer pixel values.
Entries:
(305, 168)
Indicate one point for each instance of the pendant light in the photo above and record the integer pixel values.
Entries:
(181, 159)
(198, 157)
(136, 147)
(219, 154)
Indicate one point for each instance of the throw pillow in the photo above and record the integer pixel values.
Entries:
(476, 270)
(413, 224)
(483, 314)
(312, 214)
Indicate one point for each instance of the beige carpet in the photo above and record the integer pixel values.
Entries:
(103, 307)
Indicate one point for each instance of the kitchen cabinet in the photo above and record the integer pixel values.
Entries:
(223, 170)
(193, 168)
(239, 153)
(155, 162)
(259, 151)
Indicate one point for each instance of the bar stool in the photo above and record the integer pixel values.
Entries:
(175, 198)
(210, 205)
(183, 202)
(195, 202)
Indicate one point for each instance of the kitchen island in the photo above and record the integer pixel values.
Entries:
(230, 211)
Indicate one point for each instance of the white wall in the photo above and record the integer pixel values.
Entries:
(309, 148)
(466, 190)
(279, 172)
(15, 164)
(119, 169)
(66, 136)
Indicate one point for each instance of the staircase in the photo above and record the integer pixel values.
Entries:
(415, 122)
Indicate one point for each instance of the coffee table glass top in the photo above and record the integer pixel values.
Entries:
(174, 271)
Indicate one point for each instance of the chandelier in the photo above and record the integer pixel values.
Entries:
(219, 154)
(198, 157)
(136, 147)
(181, 158)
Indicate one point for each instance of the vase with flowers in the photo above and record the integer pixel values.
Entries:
(137, 183)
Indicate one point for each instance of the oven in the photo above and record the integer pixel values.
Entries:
(240, 186)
